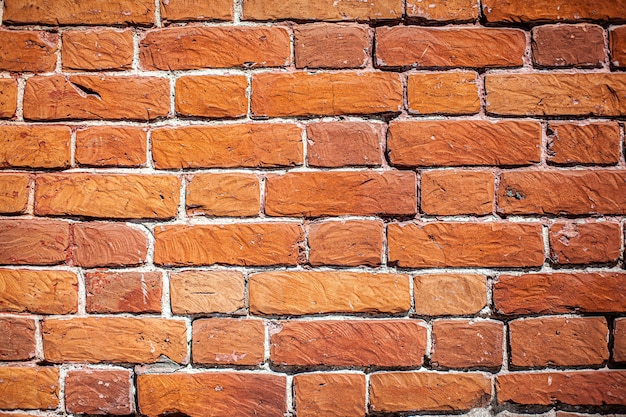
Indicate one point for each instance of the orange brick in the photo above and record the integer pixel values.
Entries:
(447, 244)
(457, 192)
(412, 46)
(314, 194)
(443, 93)
(29, 388)
(443, 11)
(573, 192)
(507, 11)
(18, 341)
(193, 47)
(327, 94)
(467, 344)
(106, 392)
(235, 195)
(14, 189)
(239, 145)
(104, 146)
(184, 10)
(123, 292)
(97, 50)
(8, 98)
(144, 340)
(330, 395)
(38, 292)
(324, 45)
(339, 144)
(31, 51)
(108, 244)
(107, 195)
(35, 242)
(617, 43)
(585, 243)
(346, 243)
(96, 97)
(349, 343)
(298, 293)
(573, 143)
(220, 341)
(322, 10)
(34, 147)
(215, 96)
(449, 294)
(207, 292)
(568, 45)
(619, 340)
(259, 244)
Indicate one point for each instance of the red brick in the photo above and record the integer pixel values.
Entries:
(314, 194)
(38, 292)
(327, 94)
(107, 195)
(193, 47)
(324, 45)
(296, 293)
(351, 343)
(18, 341)
(30, 51)
(322, 10)
(568, 45)
(617, 43)
(235, 195)
(573, 143)
(412, 46)
(585, 243)
(106, 392)
(339, 144)
(467, 344)
(428, 391)
(449, 294)
(184, 10)
(457, 192)
(443, 11)
(619, 340)
(454, 93)
(257, 244)
(8, 98)
(593, 292)
(104, 146)
(572, 388)
(556, 94)
(128, 340)
(330, 395)
(559, 341)
(108, 244)
(34, 147)
(507, 11)
(467, 142)
(220, 341)
(95, 97)
(346, 243)
(123, 292)
(230, 394)
(207, 292)
(239, 145)
(85, 12)
(215, 96)
(570, 192)
(14, 189)
(452, 244)
(34, 242)
(97, 50)
(29, 388)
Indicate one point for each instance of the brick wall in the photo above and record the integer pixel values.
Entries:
(312, 207)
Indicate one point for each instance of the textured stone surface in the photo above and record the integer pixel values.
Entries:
(428, 391)
(324, 45)
(32, 51)
(297, 293)
(411, 46)
(457, 192)
(228, 146)
(231, 394)
(8, 98)
(338, 144)
(182, 10)
(104, 146)
(128, 340)
(259, 244)
(349, 343)
(573, 143)
(617, 43)
(98, 392)
(559, 341)
(443, 10)
(221, 341)
(96, 98)
(329, 395)
(123, 292)
(18, 338)
(108, 244)
(207, 292)
(619, 340)
(456, 143)
(29, 388)
(454, 93)
(449, 294)
(321, 10)
(569, 192)
(594, 292)
(97, 50)
(215, 96)
(34, 147)
(236, 195)
(345, 243)
(568, 45)
(281, 94)
(314, 194)
(511, 11)
(574, 243)
(35, 242)
(182, 48)
(465, 244)
(38, 292)
(467, 344)
(107, 195)
(14, 189)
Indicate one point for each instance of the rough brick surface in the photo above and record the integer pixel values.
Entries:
(467, 344)
(568, 46)
(206, 292)
(453, 93)
(212, 96)
(223, 195)
(123, 292)
(108, 244)
(228, 342)
(449, 294)
(457, 192)
(617, 39)
(321, 10)
(8, 98)
(549, 10)
(56, 292)
(183, 10)
(328, 395)
(104, 146)
(443, 11)
(18, 342)
(34, 146)
(338, 144)
(346, 243)
(573, 143)
(36, 242)
(585, 243)
(98, 392)
(33, 51)
(326, 45)
(619, 346)
(13, 193)
(98, 50)
(29, 388)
